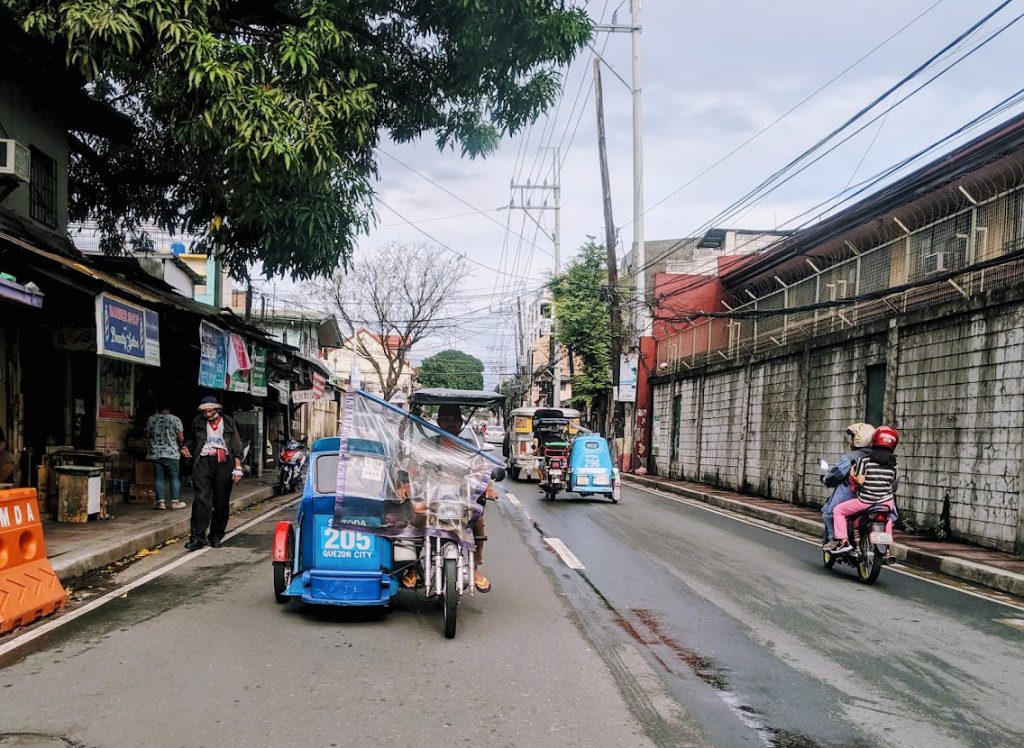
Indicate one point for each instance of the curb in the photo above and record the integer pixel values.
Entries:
(958, 568)
(72, 565)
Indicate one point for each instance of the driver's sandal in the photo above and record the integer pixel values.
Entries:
(481, 582)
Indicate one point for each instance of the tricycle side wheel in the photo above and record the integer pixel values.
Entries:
(282, 578)
(514, 472)
(451, 597)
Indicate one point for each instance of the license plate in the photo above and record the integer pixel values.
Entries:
(600, 480)
(880, 538)
(556, 473)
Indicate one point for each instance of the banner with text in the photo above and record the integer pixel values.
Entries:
(258, 386)
(213, 356)
(127, 332)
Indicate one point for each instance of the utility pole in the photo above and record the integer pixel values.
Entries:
(643, 318)
(525, 203)
(609, 240)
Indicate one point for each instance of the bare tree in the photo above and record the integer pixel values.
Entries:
(397, 295)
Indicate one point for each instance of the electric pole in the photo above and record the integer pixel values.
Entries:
(525, 203)
(609, 240)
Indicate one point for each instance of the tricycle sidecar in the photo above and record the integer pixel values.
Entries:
(318, 563)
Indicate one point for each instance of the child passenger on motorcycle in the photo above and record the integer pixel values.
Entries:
(875, 478)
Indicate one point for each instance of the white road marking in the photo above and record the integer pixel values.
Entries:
(514, 501)
(92, 605)
(1016, 623)
(567, 556)
(924, 576)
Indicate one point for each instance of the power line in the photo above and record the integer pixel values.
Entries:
(775, 180)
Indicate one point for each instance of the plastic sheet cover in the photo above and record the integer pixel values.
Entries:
(402, 477)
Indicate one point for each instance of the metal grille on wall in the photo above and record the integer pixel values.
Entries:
(972, 240)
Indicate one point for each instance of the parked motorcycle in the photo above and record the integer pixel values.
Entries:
(293, 466)
(870, 541)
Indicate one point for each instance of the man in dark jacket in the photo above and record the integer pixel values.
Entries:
(216, 452)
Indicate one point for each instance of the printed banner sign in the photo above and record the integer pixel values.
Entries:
(628, 364)
(239, 365)
(115, 390)
(127, 332)
(213, 356)
(258, 385)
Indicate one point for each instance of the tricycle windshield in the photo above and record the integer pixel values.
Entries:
(400, 476)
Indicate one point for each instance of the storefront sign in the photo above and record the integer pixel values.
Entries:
(628, 364)
(213, 356)
(258, 385)
(239, 365)
(127, 332)
(115, 390)
(305, 396)
(152, 338)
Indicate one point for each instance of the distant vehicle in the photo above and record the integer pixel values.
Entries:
(520, 459)
(473, 436)
(494, 435)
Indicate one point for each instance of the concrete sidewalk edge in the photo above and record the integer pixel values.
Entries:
(74, 564)
(969, 571)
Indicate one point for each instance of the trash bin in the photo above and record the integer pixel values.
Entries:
(79, 492)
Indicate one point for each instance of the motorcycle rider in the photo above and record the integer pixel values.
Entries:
(838, 476)
(449, 418)
(876, 479)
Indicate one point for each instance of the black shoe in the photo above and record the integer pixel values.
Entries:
(194, 545)
(215, 543)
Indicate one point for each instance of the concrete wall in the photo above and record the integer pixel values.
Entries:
(27, 119)
(953, 387)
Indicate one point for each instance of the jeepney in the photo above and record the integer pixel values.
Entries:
(523, 463)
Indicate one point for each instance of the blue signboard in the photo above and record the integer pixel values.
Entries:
(213, 356)
(127, 332)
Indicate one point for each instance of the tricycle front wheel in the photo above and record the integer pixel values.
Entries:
(451, 597)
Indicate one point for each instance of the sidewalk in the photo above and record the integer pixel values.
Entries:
(1000, 571)
(76, 549)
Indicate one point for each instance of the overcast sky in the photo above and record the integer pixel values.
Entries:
(715, 73)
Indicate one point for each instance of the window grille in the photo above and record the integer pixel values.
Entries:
(43, 189)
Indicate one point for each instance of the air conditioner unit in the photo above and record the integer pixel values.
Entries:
(935, 263)
(15, 160)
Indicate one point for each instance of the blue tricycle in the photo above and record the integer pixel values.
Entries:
(591, 471)
(389, 500)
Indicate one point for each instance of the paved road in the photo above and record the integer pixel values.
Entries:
(759, 643)
(202, 656)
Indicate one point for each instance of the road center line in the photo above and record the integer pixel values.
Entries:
(56, 623)
(922, 576)
(567, 556)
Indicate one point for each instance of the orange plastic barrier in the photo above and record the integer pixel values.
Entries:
(28, 587)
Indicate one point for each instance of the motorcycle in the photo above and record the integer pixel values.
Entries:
(293, 466)
(871, 543)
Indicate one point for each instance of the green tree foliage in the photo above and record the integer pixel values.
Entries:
(453, 369)
(581, 320)
(256, 121)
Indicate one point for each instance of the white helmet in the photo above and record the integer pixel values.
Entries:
(861, 434)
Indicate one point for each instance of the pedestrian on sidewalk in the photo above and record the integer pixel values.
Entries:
(166, 435)
(216, 467)
(838, 476)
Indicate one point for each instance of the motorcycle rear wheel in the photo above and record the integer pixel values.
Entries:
(869, 565)
(451, 597)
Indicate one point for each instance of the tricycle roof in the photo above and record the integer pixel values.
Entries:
(447, 396)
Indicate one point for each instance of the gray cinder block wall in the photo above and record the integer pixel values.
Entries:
(953, 387)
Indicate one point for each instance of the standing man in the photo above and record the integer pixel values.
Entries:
(217, 466)
(166, 435)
